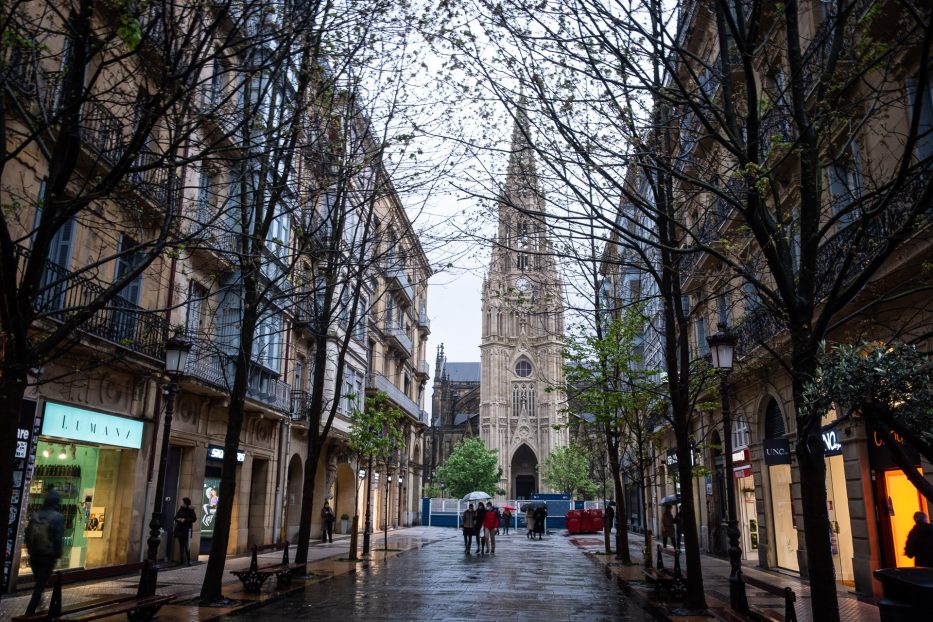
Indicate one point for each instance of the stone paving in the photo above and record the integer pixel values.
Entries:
(546, 579)
(716, 585)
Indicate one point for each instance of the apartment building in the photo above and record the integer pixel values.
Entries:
(152, 231)
(862, 128)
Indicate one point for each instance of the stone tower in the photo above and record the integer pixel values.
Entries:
(523, 325)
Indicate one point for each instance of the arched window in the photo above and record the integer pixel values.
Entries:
(774, 421)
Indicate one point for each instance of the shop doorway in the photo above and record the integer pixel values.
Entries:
(293, 498)
(782, 508)
(210, 496)
(258, 502)
(903, 500)
(524, 463)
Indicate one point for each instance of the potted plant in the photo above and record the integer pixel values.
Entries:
(344, 523)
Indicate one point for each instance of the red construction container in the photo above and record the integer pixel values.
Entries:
(573, 521)
(586, 522)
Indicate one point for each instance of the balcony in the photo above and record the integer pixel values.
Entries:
(425, 417)
(423, 323)
(378, 382)
(63, 294)
(398, 280)
(301, 406)
(396, 336)
(424, 369)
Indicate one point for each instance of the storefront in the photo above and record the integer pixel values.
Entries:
(897, 499)
(778, 466)
(837, 505)
(210, 494)
(90, 459)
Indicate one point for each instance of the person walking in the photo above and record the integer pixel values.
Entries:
(468, 528)
(184, 520)
(478, 519)
(490, 525)
(327, 520)
(506, 519)
(530, 522)
(610, 517)
(919, 543)
(667, 526)
(45, 535)
(540, 521)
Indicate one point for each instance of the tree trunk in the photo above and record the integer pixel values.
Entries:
(615, 468)
(307, 494)
(812, 468)
(696, 599)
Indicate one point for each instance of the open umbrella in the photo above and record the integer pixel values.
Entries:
(510, 508)
(477, 495)
(670, 500)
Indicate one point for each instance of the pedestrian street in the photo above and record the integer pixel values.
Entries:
(547, 579)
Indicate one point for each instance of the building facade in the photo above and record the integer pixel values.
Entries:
(175, 235)
(869, 501)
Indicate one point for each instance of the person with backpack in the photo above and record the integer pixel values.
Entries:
(45, 535)
(184, 519)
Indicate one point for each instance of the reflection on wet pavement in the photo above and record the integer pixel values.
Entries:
(525, 580)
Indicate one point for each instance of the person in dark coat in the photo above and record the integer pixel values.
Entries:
(468, 528)
(52, 524)
(919, 544)
(184, 519)
(540, 518)
(478, 517)
(327, 523)
(610, 516)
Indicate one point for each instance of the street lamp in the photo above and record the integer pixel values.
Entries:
(176, 358)
(722, 350)
(385, 534)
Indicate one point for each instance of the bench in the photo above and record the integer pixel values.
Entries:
(139, 608)
(790, 614)
(661, 578)
(255, 576)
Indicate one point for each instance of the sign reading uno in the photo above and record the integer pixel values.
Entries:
(776, 450)
(94, 427)
(831, 444)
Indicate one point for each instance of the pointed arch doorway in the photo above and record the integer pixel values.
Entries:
(524, 473)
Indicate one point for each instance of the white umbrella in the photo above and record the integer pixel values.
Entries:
(477, 495)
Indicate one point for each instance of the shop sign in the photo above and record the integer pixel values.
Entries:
(216, 452)
(672, 461)
(742, 471)
(741, 455)
(831, 444)
(776, 450)
(78, 424)
(24, 463)
(880, 455)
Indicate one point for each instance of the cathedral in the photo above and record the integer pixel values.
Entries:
(513, 410)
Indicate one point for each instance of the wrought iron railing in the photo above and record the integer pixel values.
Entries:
(62, 294)
(401, 280)
(301, 405)
(398, 334)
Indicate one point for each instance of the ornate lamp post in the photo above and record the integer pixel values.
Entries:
(722, 349)
(176, 359)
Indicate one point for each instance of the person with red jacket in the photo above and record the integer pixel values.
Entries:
(490, 524)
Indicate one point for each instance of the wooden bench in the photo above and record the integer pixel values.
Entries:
(790, 614)
(663, 579)
(139, 608)
(255, 576)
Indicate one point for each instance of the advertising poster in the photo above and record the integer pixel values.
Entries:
(209, 500)
(24, 462)
(94, 527)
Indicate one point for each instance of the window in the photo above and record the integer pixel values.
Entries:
(844, 184)
(925, 128)
(523, 369)
(124, 316)
(54, 285)
(702, 346)
(267, 346)
(522, 262)
(740, 433)
(197, 294)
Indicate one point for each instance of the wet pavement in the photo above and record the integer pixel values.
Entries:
(525, 580)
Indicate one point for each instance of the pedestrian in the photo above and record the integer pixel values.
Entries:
(468, 528)
(530, 522)
(667, 526)
(490, 525)
(45, 535)
(327, 520)
(540, 520)
(920, 541)
(610, 516)
(184, 519)
(479, 516)
(506, 519)
(677, 524)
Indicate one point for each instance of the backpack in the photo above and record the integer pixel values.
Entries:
(38, 538)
